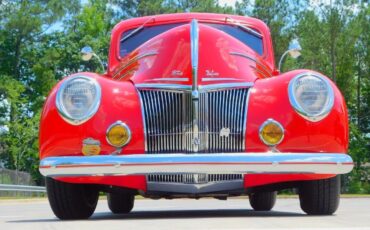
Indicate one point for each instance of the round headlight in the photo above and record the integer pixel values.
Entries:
(311, 95)
(78, 99)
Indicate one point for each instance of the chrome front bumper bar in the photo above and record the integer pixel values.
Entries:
(144, 164)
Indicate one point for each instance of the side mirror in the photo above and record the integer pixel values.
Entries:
(294, 51)
(294, 48)
(87, 53)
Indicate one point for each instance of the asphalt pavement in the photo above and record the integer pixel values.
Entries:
(353, 213)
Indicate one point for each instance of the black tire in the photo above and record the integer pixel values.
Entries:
(320, 197)
(262, 201)
(71, 201)
(120, 203)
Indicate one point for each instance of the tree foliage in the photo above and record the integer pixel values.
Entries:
(40, 42)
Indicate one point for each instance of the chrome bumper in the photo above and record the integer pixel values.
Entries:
(144, 164)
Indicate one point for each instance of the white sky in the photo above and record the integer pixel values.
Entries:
(227, 2)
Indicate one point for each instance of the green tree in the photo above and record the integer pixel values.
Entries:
(23, 26)
(137, 8)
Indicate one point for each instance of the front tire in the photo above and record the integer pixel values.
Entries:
(71, 201)
(120, 203)
(320, 197)
(262, 201)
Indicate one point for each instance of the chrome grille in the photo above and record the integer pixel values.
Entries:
(189, 178)
(168, 120)
(222, 117)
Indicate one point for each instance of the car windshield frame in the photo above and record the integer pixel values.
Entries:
(132, 35)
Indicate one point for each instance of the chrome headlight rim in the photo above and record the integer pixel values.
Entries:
(299, 109)
(61, 108)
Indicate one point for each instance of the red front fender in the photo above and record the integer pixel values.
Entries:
(119, 101)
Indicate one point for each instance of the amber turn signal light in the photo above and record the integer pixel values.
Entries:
(271, 132)
(118, 134)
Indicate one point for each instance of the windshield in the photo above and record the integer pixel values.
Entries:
(129, 43)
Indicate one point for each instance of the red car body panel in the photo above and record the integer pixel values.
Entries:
(154, 61)
(170, 51)
(114, 56)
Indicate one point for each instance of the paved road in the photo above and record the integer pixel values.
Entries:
(354, 213)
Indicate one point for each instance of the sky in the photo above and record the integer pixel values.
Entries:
(227, 2)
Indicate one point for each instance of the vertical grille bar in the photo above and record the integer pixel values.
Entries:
(168, 120)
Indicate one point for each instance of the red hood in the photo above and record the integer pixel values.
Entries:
(166, 59)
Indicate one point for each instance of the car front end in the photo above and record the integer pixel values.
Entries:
(194, 112)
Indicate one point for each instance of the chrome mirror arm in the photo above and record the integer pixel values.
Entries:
(100, 61)
(281, 59)
(294, 50)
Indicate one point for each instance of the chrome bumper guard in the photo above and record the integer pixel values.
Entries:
(145, 164)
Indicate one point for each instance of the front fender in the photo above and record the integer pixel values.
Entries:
(119, 101)
(269, 99)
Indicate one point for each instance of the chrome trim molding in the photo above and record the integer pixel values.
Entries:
(268, 121)
(243, 55)
(205, 79)
(239, 24)
(221, 86)
(252, 59)
(125, 74)
(170, 79)
(120, 123)
(143, 119)
(93, 110)
(131, 61)
(245, 119)
(194, 45)
(137, 29)
(201, 88)
(298, 108)
(169, 87)
(231, 163)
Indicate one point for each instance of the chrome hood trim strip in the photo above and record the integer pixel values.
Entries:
(194, 45)
(201, 88)
(176, 87)
(213, 87)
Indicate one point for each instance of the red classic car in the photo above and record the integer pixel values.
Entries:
(192, 105)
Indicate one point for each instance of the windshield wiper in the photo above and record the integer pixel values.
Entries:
(243, 27)
(137, 29)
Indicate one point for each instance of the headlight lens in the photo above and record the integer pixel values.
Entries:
(78, 99)
(271, 132)
(311, 96)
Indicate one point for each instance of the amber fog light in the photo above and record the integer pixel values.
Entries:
(118, 134)
(271, 132)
